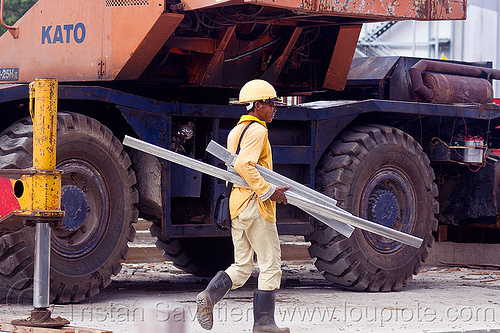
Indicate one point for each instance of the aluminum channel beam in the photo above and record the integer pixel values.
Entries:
(325, 212)
(229, 176)
(302, 196)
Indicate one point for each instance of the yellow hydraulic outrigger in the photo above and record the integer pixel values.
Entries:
(36, 190)
(38, 194)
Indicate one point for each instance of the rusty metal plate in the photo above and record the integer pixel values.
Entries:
(400, 9)
(370, 9)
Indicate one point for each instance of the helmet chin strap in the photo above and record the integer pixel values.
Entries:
(249, 105)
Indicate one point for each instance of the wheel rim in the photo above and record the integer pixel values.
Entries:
(388, 199)
(85, 201)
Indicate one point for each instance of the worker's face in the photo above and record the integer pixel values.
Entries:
(265, 111)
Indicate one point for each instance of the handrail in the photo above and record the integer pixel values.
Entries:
(13, 30)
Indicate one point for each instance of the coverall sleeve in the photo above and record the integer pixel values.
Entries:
(250, 151)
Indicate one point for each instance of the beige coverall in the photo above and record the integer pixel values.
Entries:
(253, 214)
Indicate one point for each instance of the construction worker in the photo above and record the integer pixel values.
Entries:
(253, 215)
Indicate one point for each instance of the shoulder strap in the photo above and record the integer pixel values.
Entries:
(241, 137)
(230, 185)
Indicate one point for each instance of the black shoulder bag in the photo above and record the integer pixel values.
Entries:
(222, 216)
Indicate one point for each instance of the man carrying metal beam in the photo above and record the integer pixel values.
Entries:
(253, 214)
(312, 202)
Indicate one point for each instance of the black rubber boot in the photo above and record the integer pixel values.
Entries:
(264, 302)
(217, 288)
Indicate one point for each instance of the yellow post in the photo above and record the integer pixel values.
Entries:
(38, 189)
(46, 184)
(46, 181)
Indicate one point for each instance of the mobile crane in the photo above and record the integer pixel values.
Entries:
(380, 135)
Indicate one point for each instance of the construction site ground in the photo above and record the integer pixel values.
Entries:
(155, 297)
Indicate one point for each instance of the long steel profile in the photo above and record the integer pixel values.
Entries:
(229, 176)
(302, 196)
(323, 212)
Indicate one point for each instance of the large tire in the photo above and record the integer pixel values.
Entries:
(201, 256)
(98, 196)
(381, 174)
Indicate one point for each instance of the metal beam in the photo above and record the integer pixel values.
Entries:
(322, 209)
(232, 177)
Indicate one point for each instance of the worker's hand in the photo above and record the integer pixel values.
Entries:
(279, 194)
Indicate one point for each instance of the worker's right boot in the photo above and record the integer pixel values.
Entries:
(217, 288)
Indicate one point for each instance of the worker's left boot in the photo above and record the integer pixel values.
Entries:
(217, 288)
(264, 302)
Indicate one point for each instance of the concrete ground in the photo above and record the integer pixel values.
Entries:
(157, 297)
(437, 300)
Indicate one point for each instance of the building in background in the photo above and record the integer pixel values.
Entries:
(475, 39)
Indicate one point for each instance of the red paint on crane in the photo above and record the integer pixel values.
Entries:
(8, 201)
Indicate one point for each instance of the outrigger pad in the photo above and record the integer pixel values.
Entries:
(41, 317)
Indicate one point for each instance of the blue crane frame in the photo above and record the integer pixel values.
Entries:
(151, 120)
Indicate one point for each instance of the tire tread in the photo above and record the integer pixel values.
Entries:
(15, 262)
(335, 254)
